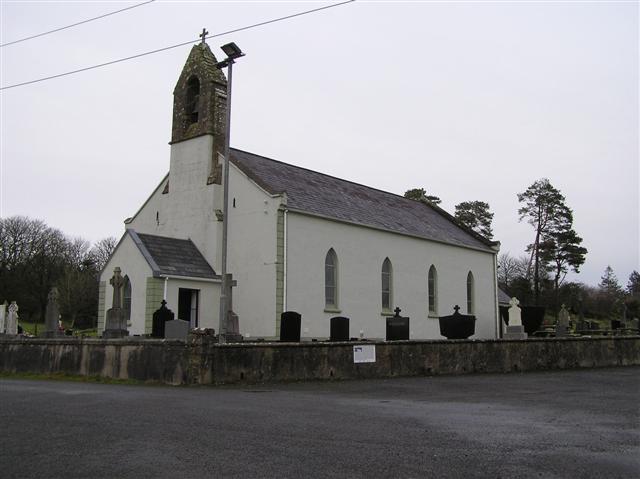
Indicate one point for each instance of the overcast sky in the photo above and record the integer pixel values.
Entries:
(470, 100)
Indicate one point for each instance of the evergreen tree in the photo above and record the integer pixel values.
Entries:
(633, 285)
(476, 215)
(609, 283)
(544, 208)
(563, 252)
(420, 194)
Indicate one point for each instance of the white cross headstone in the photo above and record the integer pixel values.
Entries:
(3, 312)
(12, 319)
(514, 313)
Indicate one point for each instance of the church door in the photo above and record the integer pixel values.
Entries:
(188, 306)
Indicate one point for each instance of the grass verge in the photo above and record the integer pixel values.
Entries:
(75, 378)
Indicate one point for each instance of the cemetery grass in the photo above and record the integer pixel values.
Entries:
(33, 328)
(75, 378)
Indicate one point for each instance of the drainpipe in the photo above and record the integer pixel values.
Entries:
(166, 283)
(284, 265)
(495, 294)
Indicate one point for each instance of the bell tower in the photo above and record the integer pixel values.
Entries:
(199, 105)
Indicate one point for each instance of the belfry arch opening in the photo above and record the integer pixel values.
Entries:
(192, 100)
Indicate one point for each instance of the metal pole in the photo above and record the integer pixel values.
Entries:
(222, 329)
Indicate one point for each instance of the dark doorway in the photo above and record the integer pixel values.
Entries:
(188, 306)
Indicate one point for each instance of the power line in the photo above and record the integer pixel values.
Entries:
(267, 22)
(75, 24)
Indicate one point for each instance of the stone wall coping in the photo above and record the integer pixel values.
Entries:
(303, 344)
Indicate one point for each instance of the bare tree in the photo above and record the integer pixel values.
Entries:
(510, 268)
(102, 251)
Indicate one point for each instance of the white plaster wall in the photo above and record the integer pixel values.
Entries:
(188, 210)
(252, 254)
(128, 257)
(208, 303)
(144, 221)
(361, 252)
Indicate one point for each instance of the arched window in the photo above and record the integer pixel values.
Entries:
(192, 100)
(470, 295)
(126, 298)
(331, 279)
(433, 290)
(387, 282)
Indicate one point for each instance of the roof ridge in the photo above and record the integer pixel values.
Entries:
(327, 175)
(441, 211)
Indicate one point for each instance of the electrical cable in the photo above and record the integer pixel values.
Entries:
(75, 24)
(267, 22)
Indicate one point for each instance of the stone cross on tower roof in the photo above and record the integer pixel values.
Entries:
(203, 35)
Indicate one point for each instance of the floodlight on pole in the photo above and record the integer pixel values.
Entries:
(233, 52)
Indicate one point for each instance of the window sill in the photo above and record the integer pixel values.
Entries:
(433, 316)
(387, 313)
(332, 310)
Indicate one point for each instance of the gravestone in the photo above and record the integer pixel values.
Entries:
(11, 324)
(634, 324)
(456, 325)
(3, 317)
(515, 330)
(233, 328)
(160, 317)
(176, 329)
(339, 329)
(52, 315)
(515, 314)
(290, 326)
(583, 325)
(116, 324)
(397, 327)
(562, 326)
(231, 331)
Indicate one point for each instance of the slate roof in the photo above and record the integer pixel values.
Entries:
(316, 193)
(172, 257)
(503, 297)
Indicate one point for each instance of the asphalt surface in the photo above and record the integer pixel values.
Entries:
(555, 424)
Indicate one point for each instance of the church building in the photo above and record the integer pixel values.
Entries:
(298, 240)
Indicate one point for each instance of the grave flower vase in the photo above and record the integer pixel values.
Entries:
(457, 326)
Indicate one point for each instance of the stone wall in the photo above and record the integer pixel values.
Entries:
(201, 361)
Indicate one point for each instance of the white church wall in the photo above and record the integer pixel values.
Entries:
(252, 254)
(145, 220)
(187, 211)
(131, 263)
(208, 299)
(361, 252)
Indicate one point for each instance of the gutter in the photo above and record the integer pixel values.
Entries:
(166, 277)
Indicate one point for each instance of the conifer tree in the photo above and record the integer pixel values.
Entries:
(556, 247)
(633, 285)
(420, 194)
(477, 216)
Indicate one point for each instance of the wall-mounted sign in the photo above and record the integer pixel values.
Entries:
(364, 353)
